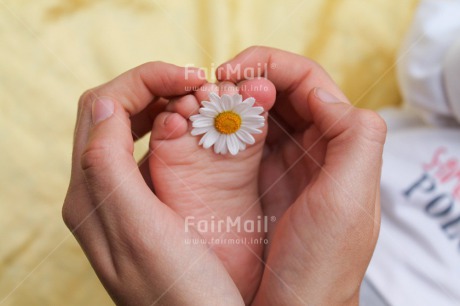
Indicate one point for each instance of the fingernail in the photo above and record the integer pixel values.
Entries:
(167, 119)
(102, 109)
(326, 96)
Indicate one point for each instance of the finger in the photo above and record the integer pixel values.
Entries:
(353, 159)
(78, 213)
(340, 202)
(134, 90)
(293, 75)
(117, 188)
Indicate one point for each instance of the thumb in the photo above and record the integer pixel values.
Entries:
(118, 191)
(352, 164)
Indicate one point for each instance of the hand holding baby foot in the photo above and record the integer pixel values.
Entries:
(320, 177)
(135, 238)
(134, 241)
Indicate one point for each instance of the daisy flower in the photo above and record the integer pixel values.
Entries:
(227, 122)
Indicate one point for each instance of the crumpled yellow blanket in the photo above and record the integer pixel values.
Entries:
(53, 50)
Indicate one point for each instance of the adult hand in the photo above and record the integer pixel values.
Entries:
(320, 177)
(134, 242)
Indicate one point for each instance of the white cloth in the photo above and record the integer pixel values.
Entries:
(417, 258)
(430, 59)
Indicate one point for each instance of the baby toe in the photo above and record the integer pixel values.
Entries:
(186, 106)
(168, 125)
(262, 90)
(202, 94)
(228, 88)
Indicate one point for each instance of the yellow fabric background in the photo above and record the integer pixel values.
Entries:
(52, 50)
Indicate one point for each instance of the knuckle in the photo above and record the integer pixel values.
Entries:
(96, 156)
(256, 47)
(310, 66)
(155, 62)
(86, 99)
(67, 216)
(371, 124)
(315, 66)
(166, 80)
(149, 66)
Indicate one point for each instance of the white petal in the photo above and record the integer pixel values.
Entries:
(250, 130)
(203, 122)
(242, 145)
(253, 118)
(220, 144)
(237, 99)
(199, 131)
(232, 144)
(232, 103)
(202, 139)
(209, 138)
(254, 125)
(245, 136)
(226, 102)
(214, 97)
(194, 117)
(253, 111)
(208, 112)
(212, 105)
(249, 101)
(224, 149)
(241, 108)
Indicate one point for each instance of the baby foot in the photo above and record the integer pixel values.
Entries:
(208, 189)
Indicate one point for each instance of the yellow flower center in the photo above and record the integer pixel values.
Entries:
(227, 122)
